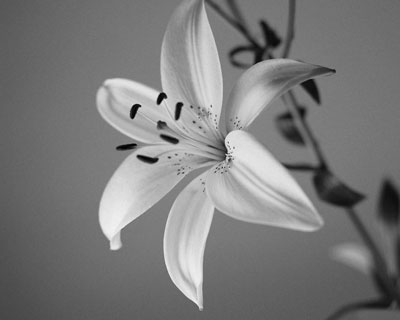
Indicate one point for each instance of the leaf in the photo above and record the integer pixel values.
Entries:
(389, 204)
(287, 127)
(310, 86)
(330, 189)
(240, 50)
(270, 36)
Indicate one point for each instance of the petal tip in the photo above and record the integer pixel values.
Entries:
(315, 223)
(319, 223)
(115, 242)
(199, 301)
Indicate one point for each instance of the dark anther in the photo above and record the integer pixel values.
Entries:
(147, 159)
(178, 109)
(169, 139)
(134, 110)
(161, 97)
(161, 125)
(125, 147)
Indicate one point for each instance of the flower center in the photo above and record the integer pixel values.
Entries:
(193, 129)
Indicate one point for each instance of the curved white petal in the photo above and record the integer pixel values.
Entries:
(353, 255)
(261, 84)
(136, 186)
(190, 67)
(185, 238)
(114, 101)
(253, 186)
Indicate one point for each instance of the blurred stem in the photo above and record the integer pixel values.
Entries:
(290, 29)
(374, 304)
(234, 23)
(237, 13)
(300, 167)
(311, 141)
(305, 129)
(378, 258)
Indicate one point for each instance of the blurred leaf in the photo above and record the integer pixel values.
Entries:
(397, 254)
(310, 86)
(240, 50)
(389, 204)
(330, 189)
(363, 306)
(380, 285)
(270, 36)
(385, 314)
(287, 127)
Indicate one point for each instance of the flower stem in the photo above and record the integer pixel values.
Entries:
(237, 13)
(290, 29)
(380, 263)
(314, 145)
(234, 23)
(300, 167)
(374, 304)
(305, 129)
(369, 242)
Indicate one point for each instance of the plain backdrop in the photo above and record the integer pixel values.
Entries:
(58, 154)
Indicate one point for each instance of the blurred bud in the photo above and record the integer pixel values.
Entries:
(310, 86)
(330, 189)
(272, 40)
(389, 204)
(287, 127)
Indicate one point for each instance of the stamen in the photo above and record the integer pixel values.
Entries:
(161, 97)
(161, 125)
(178, 110)
(134, 110)
(125, 147)
(169, 139)
(147, 159)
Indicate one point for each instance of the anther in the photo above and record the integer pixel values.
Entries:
(134, 110)
(161, 125)
(178, 110)
(161, 97)
(169, 139)
(125, 147)
(147, 159)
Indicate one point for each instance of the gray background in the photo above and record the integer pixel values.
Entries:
(58, 154)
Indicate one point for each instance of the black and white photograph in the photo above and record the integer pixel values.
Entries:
(200, 159)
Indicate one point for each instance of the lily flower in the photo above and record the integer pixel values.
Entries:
(183, 129)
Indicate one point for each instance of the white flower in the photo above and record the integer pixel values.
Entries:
(186, 130)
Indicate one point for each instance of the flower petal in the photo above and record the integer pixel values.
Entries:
(114, 101)
(253, 186)
(353, 255)
(261, 84)
(185, 238)
(136, 186)
(190, 67)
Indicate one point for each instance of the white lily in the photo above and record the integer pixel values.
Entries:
(184, 132)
